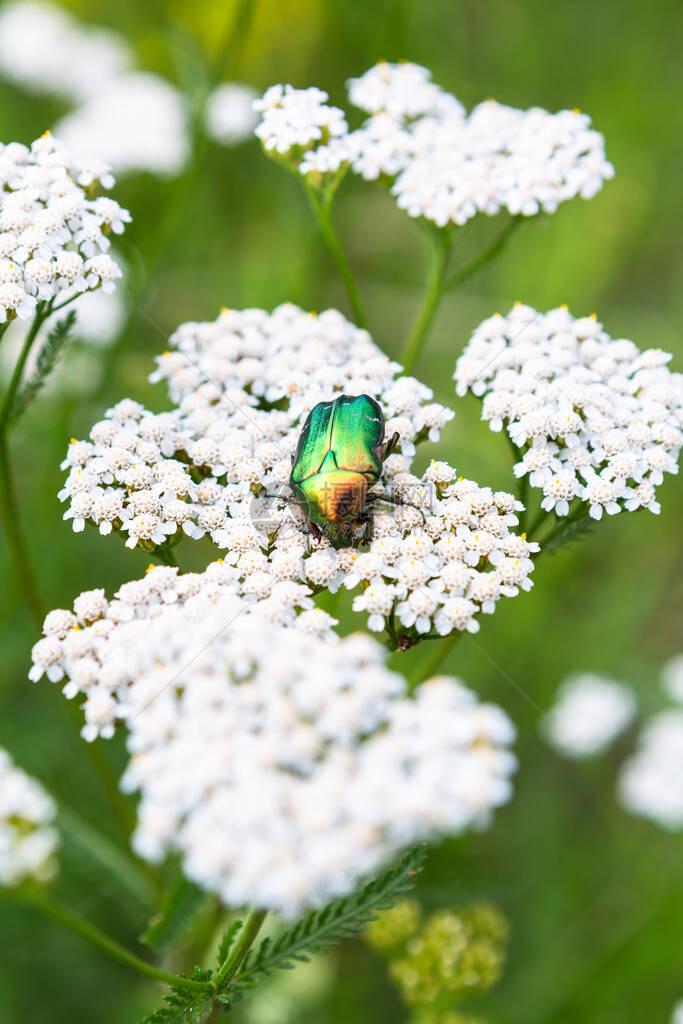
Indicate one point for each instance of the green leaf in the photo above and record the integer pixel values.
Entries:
(339, 920)
(53, 345)
(574, 531)
(179, 910)
(183, 1007)
(227, 941)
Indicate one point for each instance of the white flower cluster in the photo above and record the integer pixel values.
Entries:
(28, 840)
(597, 419)
(44, 49)
(589, 714)
(299, 124)
(91, 646)
(651, 782)
(447, 166)
(283, 768)
(229, 114)
(243, 386)
(139, 122)
(54, 239)
(133, 120)
(673, 678)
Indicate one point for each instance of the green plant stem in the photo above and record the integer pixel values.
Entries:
(38, 321)
(429, 665)
(96, 937)
(9, 513)
(241, 946)
(434, 288)
(466, 271)
(323, 212)
(9, 510)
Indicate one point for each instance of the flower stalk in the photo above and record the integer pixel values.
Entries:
(94, 935)
(441, 244)
(241, 946)
(322, 208)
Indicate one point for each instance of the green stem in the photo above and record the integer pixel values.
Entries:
(38, 321)
(323, 212)
(481, 259)
(67, 302)
(441, 242)
(9, 510)
(430, 664)
(9, 513)
(96, 937)
(241, 946)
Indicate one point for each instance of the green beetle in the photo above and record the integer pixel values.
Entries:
(339, 457)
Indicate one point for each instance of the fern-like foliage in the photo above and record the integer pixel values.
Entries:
(341, 919)
(52, 347)
(227, 941)
(314, 933)
(574, 531)
(183, 1007)
(180, 908)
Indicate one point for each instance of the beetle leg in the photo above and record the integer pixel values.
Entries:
(366, 520)
(390, 446)
(314, 529)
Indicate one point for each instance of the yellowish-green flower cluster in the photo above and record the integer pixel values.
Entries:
(437, 961)
(393, 928)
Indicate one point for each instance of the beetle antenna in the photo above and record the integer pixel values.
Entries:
(279, 497)
(395, 501)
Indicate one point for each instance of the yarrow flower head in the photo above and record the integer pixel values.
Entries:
(589, 714)
(300, 127)
(443, 164)
(28, 840)
(281, 766)
(596, 419)
(54, 236)
(243, 386)
(88, 649)
(229, 115)
(651, 782)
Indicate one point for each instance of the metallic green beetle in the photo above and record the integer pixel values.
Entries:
(339, 457)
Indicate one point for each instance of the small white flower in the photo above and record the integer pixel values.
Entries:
(590, 712)
(595, 419)
(28, 839)
(229, 115)
(651, 782)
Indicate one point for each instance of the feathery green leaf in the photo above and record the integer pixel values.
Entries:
(183, 1007)
(227, 941)
(341, 919)
(53, 345)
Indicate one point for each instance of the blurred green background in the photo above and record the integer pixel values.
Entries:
(594, 897)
